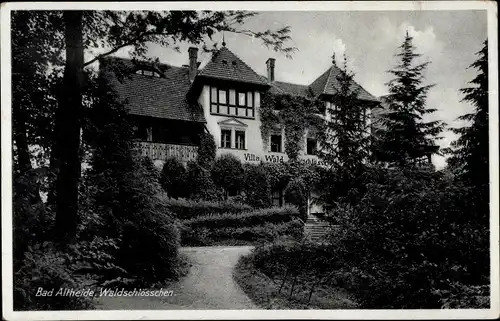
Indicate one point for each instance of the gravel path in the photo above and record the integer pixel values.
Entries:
(209, 284)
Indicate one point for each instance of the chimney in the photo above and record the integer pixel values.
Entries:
(193, 63)
(270, 69)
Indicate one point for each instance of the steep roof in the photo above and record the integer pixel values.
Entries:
(280, 87)
(164, 97)
(226, 65)
(327, 84)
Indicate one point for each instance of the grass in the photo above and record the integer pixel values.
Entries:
(264, 291)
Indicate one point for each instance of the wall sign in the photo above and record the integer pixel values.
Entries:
(271, 158)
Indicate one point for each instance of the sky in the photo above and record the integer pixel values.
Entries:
(370, 39)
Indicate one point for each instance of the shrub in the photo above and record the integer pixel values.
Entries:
(272, 215)
(206, 150)
(48, 269)
(201, 185)
(412, 228)
(124, 189)
(174, 178)
(257, 187)
(188, 209)
(31, 221)
(227, 172)
(144, 219)
(266, 232)
(296, 193)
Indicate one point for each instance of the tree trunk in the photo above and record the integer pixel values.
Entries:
(68, 130)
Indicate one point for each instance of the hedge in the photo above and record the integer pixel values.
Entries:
(266, 232)
(273, 215)
(189, 209)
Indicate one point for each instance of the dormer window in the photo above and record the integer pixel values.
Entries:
(224, 61)
(233, 62)
(149, 73)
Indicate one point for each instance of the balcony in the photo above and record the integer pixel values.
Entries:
(161, 151)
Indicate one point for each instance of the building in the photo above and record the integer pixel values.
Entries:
(172, 105)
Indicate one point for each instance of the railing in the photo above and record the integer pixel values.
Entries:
(161, 151)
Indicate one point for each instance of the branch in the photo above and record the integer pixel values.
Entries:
(128, 43)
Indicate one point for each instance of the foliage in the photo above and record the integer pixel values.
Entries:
(296, 193)
(288, 274)
(125, 192)
(344, 142)
(238, 228)
(462, 296)
(46, 268)
(421, 237)
(206, 150)
(264, 232)
(32, 223)
(227, 172)
(256, 187)
(200, 184)
(174, 178)
(256, 217)
(190, 209)
(33, 83)
(293, 113)
(469, 154)
(405, 137)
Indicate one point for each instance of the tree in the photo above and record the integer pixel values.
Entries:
(174, 178)
(33, 83)
(206, 151)
(114, 30)
(406, 137)
(469, 154)
(344, 143)
(257, 186)
(227, 172)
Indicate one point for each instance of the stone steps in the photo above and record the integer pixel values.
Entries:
(316, 229)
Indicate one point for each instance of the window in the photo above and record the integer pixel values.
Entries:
(240, 139)
(232, 102)
(225, 138)
(222, 97)
(148, 73)
(242, 99)
(277, 197)
(276, 143)
(311, 146)
(232, 97)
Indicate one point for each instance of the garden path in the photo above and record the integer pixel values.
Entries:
(209, 284)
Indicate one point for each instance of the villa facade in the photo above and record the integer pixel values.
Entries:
(172, 105)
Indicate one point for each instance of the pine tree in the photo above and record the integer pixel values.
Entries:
(405, 137)
(469, 153)
(344, 143)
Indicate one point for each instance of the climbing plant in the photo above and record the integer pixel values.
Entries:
(293, 113)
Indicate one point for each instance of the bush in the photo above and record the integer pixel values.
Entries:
(266, 232)
(174, 178)
(32, 223)
(206, 151)
(45, 268)
(145, 219)
(227, 172)
(189, 209)
(124, 190)
(296, 193)
(201, 185)
(413, 231)
(257, 187)
(272, 215)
